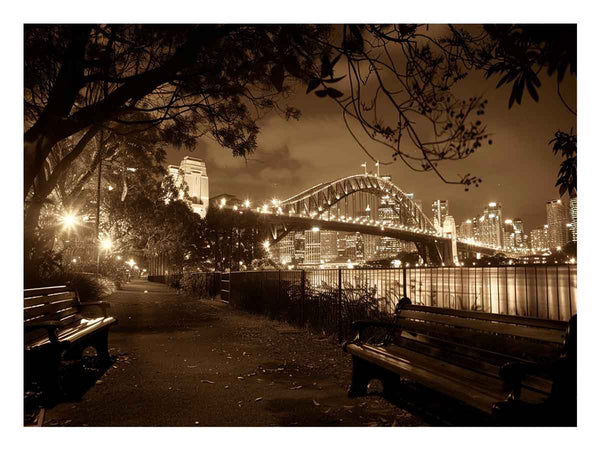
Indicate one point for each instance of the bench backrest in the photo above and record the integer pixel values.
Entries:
(501, 337)
(59, 303)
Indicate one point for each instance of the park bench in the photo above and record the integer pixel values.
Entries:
(59, 326)
(490, 363)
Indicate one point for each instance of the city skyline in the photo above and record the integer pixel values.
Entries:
(295, 155)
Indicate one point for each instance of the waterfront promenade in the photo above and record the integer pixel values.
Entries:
(183, 361)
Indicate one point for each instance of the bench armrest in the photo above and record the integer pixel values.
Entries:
(104, 305)
(49, 325)
(359, 325)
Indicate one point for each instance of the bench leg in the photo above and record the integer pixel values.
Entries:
(101, 346)
(50, 377)
(360, 378)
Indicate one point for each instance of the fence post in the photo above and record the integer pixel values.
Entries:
(339, 306)
(302, 294)
(404, 282)
(279, 287)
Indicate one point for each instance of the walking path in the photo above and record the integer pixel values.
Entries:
(181, 361)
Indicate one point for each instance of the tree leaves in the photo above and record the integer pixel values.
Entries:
(331, 92)
(313, 84)
(277, 76)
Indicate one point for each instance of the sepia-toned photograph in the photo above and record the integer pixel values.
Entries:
(299, 224)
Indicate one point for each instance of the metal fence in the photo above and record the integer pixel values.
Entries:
(330, 299)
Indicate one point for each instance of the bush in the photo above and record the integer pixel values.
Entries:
(87, 285)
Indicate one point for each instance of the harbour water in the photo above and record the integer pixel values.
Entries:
(544, 291)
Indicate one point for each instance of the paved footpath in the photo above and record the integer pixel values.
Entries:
(182, 361)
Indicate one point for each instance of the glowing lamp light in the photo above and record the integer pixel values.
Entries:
(266, 245)
(131, 263)
(69, 220)
(247, 203)
(315, 229)
(106, 244)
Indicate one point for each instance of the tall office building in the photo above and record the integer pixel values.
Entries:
(509, 233)
(439, 210)
(192, 171)
(312, 247)
(284, 250)
(539, 238)
(329, 245)
(491, 225)
(556, 216)
(466, 230)
(299, 246)
(573, 213)
(519, 230)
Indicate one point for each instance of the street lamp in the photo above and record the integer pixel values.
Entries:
(106, 244)
(69, 220)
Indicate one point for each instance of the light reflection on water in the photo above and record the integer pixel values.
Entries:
(548, 292)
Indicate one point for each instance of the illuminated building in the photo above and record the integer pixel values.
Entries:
(329, 245)
(539, 238)
(439, 210)
(191, 173)
(573, 213)
(491, 225)
(556, 217)
(466, 230)
(312, 247)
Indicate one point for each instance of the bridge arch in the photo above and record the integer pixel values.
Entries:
(320, 199)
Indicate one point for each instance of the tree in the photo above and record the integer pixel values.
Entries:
(190, 79)
(518, 53)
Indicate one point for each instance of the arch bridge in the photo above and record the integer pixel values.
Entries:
(359, 203)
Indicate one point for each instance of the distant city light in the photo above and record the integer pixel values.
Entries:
(247, 203)
(492, 204)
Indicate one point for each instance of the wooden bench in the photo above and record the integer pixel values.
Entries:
(58, 325)
(477, 358)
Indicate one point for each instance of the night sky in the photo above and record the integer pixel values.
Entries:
(519, 169)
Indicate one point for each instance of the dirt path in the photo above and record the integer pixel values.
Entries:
(188, 362)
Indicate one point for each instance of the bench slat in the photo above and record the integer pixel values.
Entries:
(517, 320)
(474, 389)
(45, 290)
(542, 334)
(451, 387)
(49, 308)
(478, 360)
(44, 299)
(535, 351)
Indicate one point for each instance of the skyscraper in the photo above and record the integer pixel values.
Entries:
(573, 213)
(329, 245)
(491, 225)
(557, 223)
(312, 247)
(539, 238)
(466, 230)
(192, 172)
(519, 230)
(439, 210)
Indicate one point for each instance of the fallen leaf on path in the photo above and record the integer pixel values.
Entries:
(258, 399)
(240, 378)
(191, 367)
(295, 387)
(226, 387)
(207, 381)
(316, 403)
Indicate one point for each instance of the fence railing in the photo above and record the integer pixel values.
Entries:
(329, 300)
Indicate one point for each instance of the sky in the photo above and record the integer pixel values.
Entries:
(518, 170)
